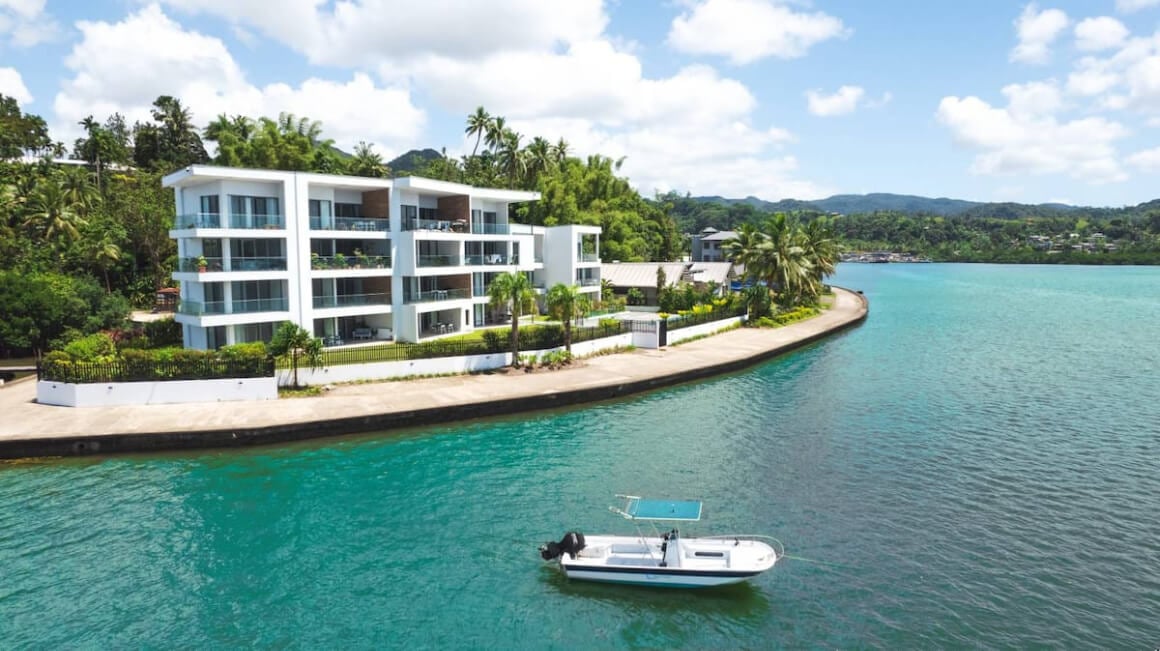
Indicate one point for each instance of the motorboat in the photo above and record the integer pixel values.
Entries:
(665, 559)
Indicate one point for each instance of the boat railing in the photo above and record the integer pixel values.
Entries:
(778, 548)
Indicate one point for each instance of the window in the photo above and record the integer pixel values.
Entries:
(410, 215)
(348, 210)
(209, 204)
(428, 214)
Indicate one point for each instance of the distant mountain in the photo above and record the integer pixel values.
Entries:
(413, 160)
(847, 204)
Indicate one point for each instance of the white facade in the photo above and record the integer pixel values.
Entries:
(353, 259)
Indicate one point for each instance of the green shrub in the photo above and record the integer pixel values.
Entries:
(494, 341)
(97, 347)
(166, 332)
(610, 323)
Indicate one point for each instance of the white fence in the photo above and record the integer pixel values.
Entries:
(110, 394)
(681, 334)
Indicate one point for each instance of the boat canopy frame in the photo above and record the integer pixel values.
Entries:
(639, 508)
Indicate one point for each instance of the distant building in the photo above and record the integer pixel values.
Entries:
(642, 276)
(709, 245)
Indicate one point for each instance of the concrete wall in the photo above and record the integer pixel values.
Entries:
(155, 393)
(703, 329)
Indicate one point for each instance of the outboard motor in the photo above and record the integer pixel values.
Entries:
(570, 544)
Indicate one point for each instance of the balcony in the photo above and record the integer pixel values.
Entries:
(198, 220)
(235, 264)
(588, 257)
(435, 295)
(439, 225)
(491, 229)
(487, 258)
(588, 282)
(371, 224)
(350, 262)
(196, 308)
(254, 222)
(349, 300)
(438, 261)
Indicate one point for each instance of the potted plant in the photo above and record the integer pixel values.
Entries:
(361, 259)
(202, 264)
(315, 261)
(339, 261)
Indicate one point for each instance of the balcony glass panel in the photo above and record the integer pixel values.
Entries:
(438, 261)
(199, 220)
(346, 300)
(235, 307)
(257, 221)
(349, 224)
(435, 295)
(351, 262)
(194, 264)
(589, 257)
(257, 264)
(491, 229)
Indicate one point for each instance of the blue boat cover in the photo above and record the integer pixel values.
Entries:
(642, 509)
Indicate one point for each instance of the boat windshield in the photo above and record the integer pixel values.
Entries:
(639, 508)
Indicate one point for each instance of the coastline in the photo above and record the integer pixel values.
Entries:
(34, 430)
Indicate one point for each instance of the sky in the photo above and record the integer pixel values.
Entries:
(984, 100)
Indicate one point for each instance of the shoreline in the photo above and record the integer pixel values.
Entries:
(34, 430)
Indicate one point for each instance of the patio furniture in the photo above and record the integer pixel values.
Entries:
(360, 334)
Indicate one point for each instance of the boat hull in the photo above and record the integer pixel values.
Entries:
(677, 563)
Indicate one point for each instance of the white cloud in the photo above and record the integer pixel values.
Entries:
(749, 30)
(1023, 141)
(1094, 34)
(1036, 31)
(552, 71)
(1128, 6)
(1033, 99)
(844, 101)
(1147, 160)
(25, 22)
(12, 85)
(1091, 77)
(110, 75)
(369, 32)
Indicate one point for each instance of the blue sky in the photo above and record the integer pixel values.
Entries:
(985, 100)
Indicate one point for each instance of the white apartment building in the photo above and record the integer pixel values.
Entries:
(353, 259)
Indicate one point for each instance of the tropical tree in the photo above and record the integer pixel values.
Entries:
(478, 124)
(180, 142)
(493, 136)
(820, 248)
(538, 160)
(513, 290)
(294, 341)
(367, 162)
(565, 303)
(511, 158)
(50, 211)
(106, 254)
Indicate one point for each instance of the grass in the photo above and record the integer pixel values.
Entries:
(301, 392)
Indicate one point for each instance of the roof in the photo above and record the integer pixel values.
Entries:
(719, 236)
(641, 274)
(639, 508)
(711, 272)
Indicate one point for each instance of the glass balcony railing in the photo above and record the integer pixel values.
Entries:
(487, 258)
(588, 282)
(234, 264)
(350, 262)
(441, 225)
(348, 300)
(258, 221)
(371, 224)
(491, 229)
(197, 308)
(198, 220)
(588, 257)
(438, 261)
(435, 295)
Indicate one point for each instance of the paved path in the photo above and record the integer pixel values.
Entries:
(28, 428)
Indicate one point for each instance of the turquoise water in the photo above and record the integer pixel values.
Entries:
(977, 464)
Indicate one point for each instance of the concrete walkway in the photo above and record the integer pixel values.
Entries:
(31, 429)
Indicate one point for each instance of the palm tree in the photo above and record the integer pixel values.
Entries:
(539, 159)
(821, 249)
(106, 254)
(512, 160)
(181, 143)
(293, 340)
(565, 303)
(514, 291)
(50, 209)
(367, 162)
(560, 151)
(789, 269)
(477, 125)
(79, 190)
(493, 137)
